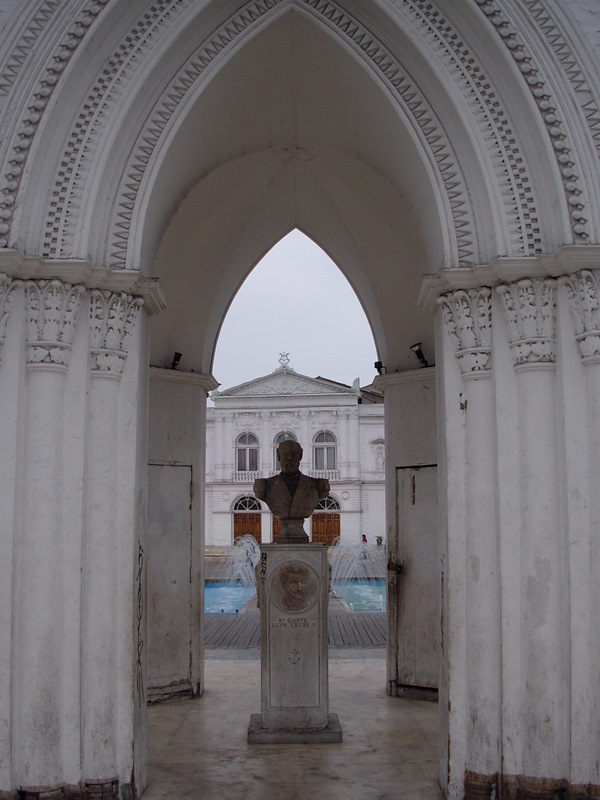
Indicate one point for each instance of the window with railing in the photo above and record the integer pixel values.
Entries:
(324, 452)
(246, 453)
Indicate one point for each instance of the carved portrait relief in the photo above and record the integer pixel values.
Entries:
(294, 587)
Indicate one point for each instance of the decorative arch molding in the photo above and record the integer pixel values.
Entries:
(425, 17)
(573, 165)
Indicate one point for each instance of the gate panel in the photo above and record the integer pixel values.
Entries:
(418, 602)
(170, 611)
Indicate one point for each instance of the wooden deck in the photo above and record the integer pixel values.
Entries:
(345, 630)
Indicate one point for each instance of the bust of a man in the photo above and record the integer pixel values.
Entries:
(291, 495)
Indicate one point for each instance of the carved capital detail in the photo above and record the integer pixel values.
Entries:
(51, 309)
(113, 316)
(530, 307)
(584, 298)
(468, 320)
(7, 288)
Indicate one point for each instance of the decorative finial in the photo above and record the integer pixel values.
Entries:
(284, 359)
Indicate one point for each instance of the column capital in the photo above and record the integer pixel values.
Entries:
(530, 307)
(468, 318)
(113, 316)
(51, 313)
(7, 289)
(504, 269)
(83, 272)
(583, 289)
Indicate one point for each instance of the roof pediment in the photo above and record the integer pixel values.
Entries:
(285, 382)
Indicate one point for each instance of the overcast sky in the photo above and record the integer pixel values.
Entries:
(323, 327)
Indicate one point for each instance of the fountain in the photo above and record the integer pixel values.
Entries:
(233, 583)
(358, 575)
(244, 556)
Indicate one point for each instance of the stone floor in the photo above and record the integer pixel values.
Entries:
(197, 748)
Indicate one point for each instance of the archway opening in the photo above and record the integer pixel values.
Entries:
(325, 171)
(297, 301)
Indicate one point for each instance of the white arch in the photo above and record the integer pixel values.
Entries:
(178, 32)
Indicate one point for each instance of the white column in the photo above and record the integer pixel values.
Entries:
(9, 403)
(219, 446)
(584, 544)
(228, 448)
(467, 317)
(112, 318)
(351, 432)
(266, 443)
(541, 677)
(305, 419)
(39, 719)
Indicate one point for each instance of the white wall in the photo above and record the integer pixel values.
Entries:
(177, 412)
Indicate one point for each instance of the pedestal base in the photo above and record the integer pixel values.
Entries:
(293, 589)
(331, 734)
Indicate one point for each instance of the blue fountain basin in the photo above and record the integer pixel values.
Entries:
(226, 597)
(230, 597)
(366, 596)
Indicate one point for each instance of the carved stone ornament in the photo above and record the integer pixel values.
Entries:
(584, 298)
(7, 288)
(468, 319)
(51, 308)
(112, 320)
(530, 306)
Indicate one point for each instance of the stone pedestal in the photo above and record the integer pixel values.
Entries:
(293, 589)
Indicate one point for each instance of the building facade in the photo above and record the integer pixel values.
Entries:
(340, 429)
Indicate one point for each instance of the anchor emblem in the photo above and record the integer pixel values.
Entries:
(295, 657)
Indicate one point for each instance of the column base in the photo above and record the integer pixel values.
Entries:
(91, 790)
(42, 792)
(480, 787)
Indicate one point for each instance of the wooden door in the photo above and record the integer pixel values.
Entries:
(276, 528)
(325, 527)
(415, 591)
(247, 523)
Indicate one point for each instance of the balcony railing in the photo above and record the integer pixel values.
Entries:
(244, 476)
(249, 476)
(330, 474)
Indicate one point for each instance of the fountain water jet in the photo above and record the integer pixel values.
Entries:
(358, 565)
(242, 561)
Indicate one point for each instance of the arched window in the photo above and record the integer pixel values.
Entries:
(284, 436)
(246, 453)
(247, 503)
(328, 504)
(324, 451)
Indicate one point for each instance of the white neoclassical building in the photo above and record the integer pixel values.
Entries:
(340, 429)
(446, 155)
